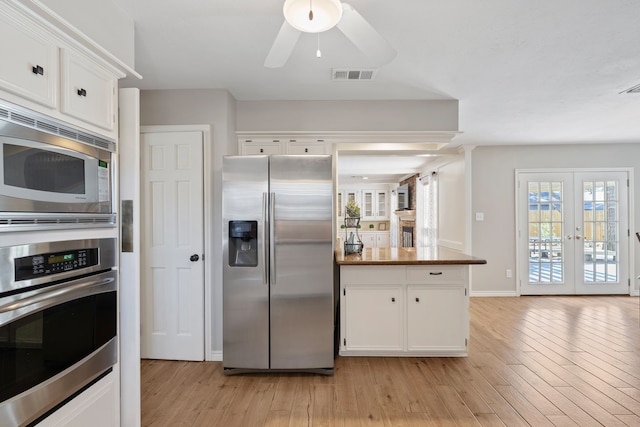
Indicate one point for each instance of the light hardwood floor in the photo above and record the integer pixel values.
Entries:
(536, 361)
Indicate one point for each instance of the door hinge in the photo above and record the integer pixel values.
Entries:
(466, 342)
(344, 341)
(344, 292)
(465, 292)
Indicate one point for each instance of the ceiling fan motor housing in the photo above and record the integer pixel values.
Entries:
(312, 16)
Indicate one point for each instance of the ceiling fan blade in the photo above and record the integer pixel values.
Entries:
(282, 46)
(364, 36)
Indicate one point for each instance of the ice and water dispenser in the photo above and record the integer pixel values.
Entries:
(243, 243)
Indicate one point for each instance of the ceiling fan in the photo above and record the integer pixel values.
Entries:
(315, 16)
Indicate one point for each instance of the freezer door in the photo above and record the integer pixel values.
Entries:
(302, 262)
(245, 281)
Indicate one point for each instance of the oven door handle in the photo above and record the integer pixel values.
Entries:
(61, 294)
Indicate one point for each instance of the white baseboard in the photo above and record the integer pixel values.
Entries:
(215, 356)
(494, 294)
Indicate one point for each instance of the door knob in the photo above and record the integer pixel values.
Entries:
(569, 237)
(578, 237)
(194, 258)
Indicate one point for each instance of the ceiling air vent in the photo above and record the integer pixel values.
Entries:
(352, 75)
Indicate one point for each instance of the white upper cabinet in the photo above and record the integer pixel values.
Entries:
(305, 146)
(87, 90)
(29, 65)
(46, 72)
(375, 204)
(260, 144)
(344, 196)
(249, 147)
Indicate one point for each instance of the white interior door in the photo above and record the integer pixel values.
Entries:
(573, 233)
(172, 271)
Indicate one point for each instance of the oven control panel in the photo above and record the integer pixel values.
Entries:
(41, 265)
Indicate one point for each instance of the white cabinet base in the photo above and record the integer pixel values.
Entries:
(404, 310)
(98, 406)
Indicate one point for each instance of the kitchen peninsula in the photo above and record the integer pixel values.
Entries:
(404, 302)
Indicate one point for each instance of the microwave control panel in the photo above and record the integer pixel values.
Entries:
(41, 265)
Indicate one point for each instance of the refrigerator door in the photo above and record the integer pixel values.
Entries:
(302, 262)
(245, 281)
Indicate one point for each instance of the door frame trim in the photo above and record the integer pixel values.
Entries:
(207, 178)
(630, 208)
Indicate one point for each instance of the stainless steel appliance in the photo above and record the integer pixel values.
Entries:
(58, 323)
(52, 175)
(278, 299)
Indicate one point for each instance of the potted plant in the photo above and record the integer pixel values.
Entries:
(352, 210)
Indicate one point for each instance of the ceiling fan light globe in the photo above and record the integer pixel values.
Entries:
(326, 14)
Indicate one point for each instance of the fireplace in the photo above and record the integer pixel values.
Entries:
(407, 236)
(406, 231)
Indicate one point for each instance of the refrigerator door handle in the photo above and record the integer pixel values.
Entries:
(265, 242)
(272, 228)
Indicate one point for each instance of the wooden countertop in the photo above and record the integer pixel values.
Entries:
(407, 256)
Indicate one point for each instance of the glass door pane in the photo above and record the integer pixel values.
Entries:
(603, 225)
(546, 224)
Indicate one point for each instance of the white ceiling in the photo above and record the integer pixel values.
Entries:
(524, 72)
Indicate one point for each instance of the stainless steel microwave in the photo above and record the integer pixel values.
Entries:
(52, 175)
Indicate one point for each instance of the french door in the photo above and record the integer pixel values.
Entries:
(573, 233)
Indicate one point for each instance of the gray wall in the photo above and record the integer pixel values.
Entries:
(214, 107)
(452, 204)
(347, 115)
(493, 192)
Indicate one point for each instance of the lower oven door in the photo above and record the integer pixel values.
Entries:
(54, 342)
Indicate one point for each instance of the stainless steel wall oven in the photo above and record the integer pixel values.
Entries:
(58, 324)
(52, 175)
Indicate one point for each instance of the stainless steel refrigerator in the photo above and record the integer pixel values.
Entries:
(278, 299)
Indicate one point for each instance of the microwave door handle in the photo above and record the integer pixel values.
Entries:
(51, 298)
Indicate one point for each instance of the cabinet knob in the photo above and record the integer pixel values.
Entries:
(38, 70)
(393, 300)
(82, 92)
(306, 150)
(262, 150)
(417, 299)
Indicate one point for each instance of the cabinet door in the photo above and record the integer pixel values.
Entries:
(383, 240)
(29, 65)
(252, 148)
(382, 210)
(295, 147)
(348, 195)
(373, 318)
(88, 92)
(369, 239)
(375, 205)
(368, 204)
(437, 318)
